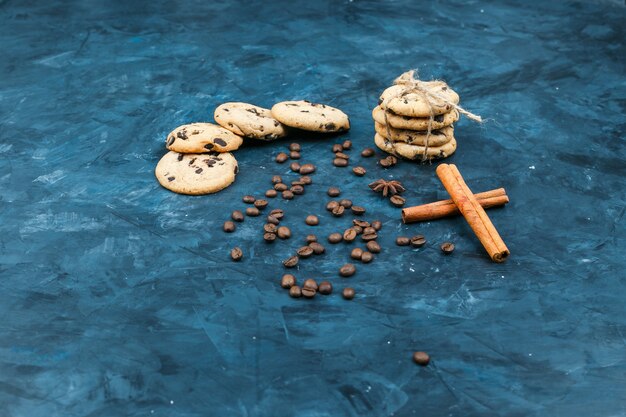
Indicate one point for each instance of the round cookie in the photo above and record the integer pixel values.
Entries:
(414, 123)
(415, 151)
(311, 116)
(402, 101)
(195, 174)
(249, 121)
(412, 137)
(202, 137)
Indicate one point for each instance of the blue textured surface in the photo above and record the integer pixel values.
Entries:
(118, 299)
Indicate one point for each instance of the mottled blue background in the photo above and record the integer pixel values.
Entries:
(117, 297)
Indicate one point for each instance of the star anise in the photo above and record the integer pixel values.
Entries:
(387, 188)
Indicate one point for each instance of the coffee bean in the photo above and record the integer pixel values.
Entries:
(361, 223)
(333, 191)
(271, 193)
(261, 204)
(337, 148)
(348, 293)
(236, 254)
(358, 210)
(282, 157)
(294, 155)
(308, 292)
(447, 248)
(272, 219)
(288, 281)
(248, 199)
(281, 187)
(373, 246)
(325, 288)
(368, 152)
(270, 228)
(291, 262)
(252, 211)
(421, 358)
(287, 195)
(311, 238)
(403, 241)
(297, 182)
(342, 155)
(397, 201)
(384, 163)
(229, 226)
(310, 283)
(294, 147)
(297, 189)
(347, 270)
(359, 171)
(307, 169)
(368, 237)
(347, 144)
(306, 180)
(377, 224)
(356, 253)
(283, 232)
(276, 179)
(367, 257)
(349, 235)
(294, 166)
(331, 205)
(305, 251)
(278, 213)
(358, 229)
(369, 230)
(312, 220)
(237, 216)
(418, 241)
(345, 203)
(269, 237)
(338, 162)
(318, 249)
(335, 237)
(295, 292)
(338, 211)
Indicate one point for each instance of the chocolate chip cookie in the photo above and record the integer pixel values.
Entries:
(415, 151)
(403, 101)
(249, 121)
(202, 137)
(414, 123)
(413, 137)
(311, 116)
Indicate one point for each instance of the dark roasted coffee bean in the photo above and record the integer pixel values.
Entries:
(287, 195)
(335, 238)
(276, 179)
(298, 182)
(338, 211)
(288, 281)
(348, 293)
(307, 169)
(373, 246)
(295, 147)
(252, 211)
(347, 270)
(384, 163)
(294, 155)
(281, 187)
(368, 237)
(338, 162)
(345, 203)
(333, 191)
(261, 204)
(237, 216)
(311, 238)
(418, 241)
(310, 283)
(248, 199)
(229, 226)
(361, 223)
(358, 229)
(283, 232)
(297, 189)
(359, 171)
(347, 144)
(282, 157)
(369, 230)
(272, 219)
(358, 210)
(306, 180)
(403, 241)
(447, 248)
(295, 292)
(397, 200)
(325, 288)
(312, 220)
(278, 213)
(368, 152)
(271, 193)
(377, 224)
(236, 254)
(291, 262)
(342, 155)
(356, 253)
(308, 292)
(305, 251)
(421, 358)
(367, 257)
(318, 249)
(294, 166)
(349, 235)
(269, 237)
(331, 205)
(270, 228)
(337, 148)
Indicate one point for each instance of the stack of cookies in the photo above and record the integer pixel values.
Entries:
(404, 113)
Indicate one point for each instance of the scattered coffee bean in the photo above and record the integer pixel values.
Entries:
(306, 180)
(308, 292)
(311, 238)
(295, 292)
(347, 144)
(287, 195)
(447, 248)
(252, 211)
(294, 166)
(358, 210)
(282, 157)
(348, 293)
(347, 270)
(349, 235)
(297, 182)
(335, 237)
(270, 228)
(338, 162)
(272, 219)
(236, 254)
(276, 179)
(310, 283)
(388, 161)
(261, 204)
(280, 187)
(269, 237)
(356, 253)
(418, 241)
(373, 246)
(307, 169)
(294, 147)
(338, 211)
(278, 213)
(333, 191)
(337, 148)
(359, 171)
(368, 237)
(367, 257)
(318, 249)
(312, 220)
(377, 224)
(297, 190)
(294, 155)
(229, 226)
(331, 205)
(358, 229)
(403, 241)
(248, 199)
(288, 281)
(237, 216)
(291, 262)
(342, 155)
(345, 203)
(397, 200)
(283, 232)
(305, 251)
(368, 230)
(421, 358)
(325, 288)
(271, 193)
(361, 223)
(368, 152)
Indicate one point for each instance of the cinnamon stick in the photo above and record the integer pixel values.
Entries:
(471, 209)
(445, 208)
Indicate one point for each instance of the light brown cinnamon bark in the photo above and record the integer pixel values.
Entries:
(471, 209)
(445, 208)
